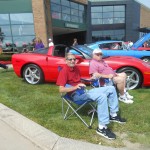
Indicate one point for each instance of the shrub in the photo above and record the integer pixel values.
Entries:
(5, 57)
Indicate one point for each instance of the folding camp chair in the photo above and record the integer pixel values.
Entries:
(75, 106)
(98, 82)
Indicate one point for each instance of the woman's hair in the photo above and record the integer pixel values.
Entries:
(38, 40)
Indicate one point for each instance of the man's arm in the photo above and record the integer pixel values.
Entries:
(63, 89)
(98, 75)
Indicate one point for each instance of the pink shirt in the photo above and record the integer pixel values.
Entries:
(100, 67)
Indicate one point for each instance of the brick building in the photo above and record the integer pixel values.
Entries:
(63, 20)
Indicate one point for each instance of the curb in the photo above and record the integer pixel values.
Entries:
(43, 137)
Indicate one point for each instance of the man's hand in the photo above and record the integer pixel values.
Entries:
(95, 75)
(80, 85)
(110, 76)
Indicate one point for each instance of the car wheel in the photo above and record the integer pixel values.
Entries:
(33, 74)
(146, 59)
(134, 77)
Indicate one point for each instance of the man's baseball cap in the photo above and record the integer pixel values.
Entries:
(97, 50)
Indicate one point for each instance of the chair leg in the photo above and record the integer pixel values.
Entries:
(75, 112)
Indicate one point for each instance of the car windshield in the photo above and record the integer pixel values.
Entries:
(41, 51)
(88, 51)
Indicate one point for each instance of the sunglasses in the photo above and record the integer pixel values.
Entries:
(100, 54)
(70, 59)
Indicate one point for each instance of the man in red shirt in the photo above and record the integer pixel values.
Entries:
(99, 68)
(70, 74)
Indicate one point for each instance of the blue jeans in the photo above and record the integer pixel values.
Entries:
(105, 97)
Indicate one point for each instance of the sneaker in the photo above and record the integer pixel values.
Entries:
(125, 100)
(106, 133)
(128, 96)
(117, 119)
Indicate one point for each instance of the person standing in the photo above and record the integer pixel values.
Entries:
(50, 42)
(38, 43)
(75, 42)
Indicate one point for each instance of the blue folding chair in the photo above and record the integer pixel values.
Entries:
(97, 82)
(73, 107)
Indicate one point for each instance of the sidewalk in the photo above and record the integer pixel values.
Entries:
(12, 140)
(20, 133)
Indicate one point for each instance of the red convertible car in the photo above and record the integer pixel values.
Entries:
(42, 65)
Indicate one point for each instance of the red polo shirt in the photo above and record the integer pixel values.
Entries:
(69, 75)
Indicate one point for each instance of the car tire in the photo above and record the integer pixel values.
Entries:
(134, 77)
(33, 74)
(146, 59)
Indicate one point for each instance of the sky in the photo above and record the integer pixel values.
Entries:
(145, 2)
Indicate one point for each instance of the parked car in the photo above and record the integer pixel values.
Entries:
(119, 48)
(142, 44)
(42, 65)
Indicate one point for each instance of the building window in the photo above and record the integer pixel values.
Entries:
(67, 11)
(16, 30)
(107, 14)
(108, 35)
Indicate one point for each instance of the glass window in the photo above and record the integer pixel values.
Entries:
(81, 20)
(55, 7)
(107, 8)
(74, 19)
(4, 19)
(23, 18)
(108, 15)
(56, 1)
(5, 30)
(119, 8)
(108, 32)
(68, 11)
(96, 15)
(22, 30)
(23, 40)
(119, 14)
(96, 21)
(65, 3)
(108, 35)
(81, 13)
(96, 9)
(74, 5)
(65, 17)
(6, 41)
(15, 28)
(119, 20)
(74, 12)
(65, 10)
(56, 15)
(106, 21)
(81, 7)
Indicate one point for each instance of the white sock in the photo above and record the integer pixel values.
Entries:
(113, 114)
(122, 96)
(102, 126)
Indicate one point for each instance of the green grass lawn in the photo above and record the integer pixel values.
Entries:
(42, 104)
